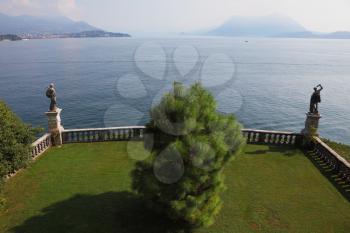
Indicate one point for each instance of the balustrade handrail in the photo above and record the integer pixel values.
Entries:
(332, 152)
(106, 128)
(270, 131)
(39, 140)
(143, 127)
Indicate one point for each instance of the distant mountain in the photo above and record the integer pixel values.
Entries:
(337, 35)
(263, 26)
(269, 26)
(26, 24)
(318, 35)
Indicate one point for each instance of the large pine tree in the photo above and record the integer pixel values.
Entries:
(192, 143)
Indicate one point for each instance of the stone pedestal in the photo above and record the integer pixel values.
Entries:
(311, 126)
(55, 127)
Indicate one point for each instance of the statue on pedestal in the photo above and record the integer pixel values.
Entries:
(51, 93)
(54, 119)
(313, 116)
(315, 99)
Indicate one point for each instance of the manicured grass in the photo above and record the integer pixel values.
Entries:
(341, 149)
(83, 188)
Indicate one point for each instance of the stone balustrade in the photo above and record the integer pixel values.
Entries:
(322, 150)
(272, 137)
(41, 145)
(136, 133)
(332, 159)
(103, 134)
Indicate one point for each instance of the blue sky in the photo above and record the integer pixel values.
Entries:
(173, 16)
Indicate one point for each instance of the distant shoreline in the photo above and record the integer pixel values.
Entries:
(84, 34)
(10, 37)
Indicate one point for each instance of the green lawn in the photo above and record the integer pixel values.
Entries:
(83, 188)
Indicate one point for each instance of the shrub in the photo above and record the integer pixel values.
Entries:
(15, 140)
(192, 143)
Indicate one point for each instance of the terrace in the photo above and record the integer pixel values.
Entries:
(85, 187)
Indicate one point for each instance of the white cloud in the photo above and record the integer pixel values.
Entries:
(187, 15)
(184, 15)
(40, 7)
(22, 2)
(69, 8)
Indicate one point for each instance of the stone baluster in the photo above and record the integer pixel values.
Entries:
(294, 139)
(283, 139)
(266, 138)
(277, 139)
(256, 137)
(288, 140)
(133, 134)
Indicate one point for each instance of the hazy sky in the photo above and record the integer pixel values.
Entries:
(184, 15)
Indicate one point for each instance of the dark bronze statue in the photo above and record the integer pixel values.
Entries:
(315, 99)
(51, 93)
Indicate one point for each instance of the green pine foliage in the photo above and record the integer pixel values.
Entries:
(190, 144)
(15, 140)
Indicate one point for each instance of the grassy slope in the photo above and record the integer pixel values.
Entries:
(341, 149)
(85, 188)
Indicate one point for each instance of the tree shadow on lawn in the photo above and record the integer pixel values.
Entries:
(111, 212)
(282, 149)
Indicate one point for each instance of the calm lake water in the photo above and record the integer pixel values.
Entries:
(101, 82)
